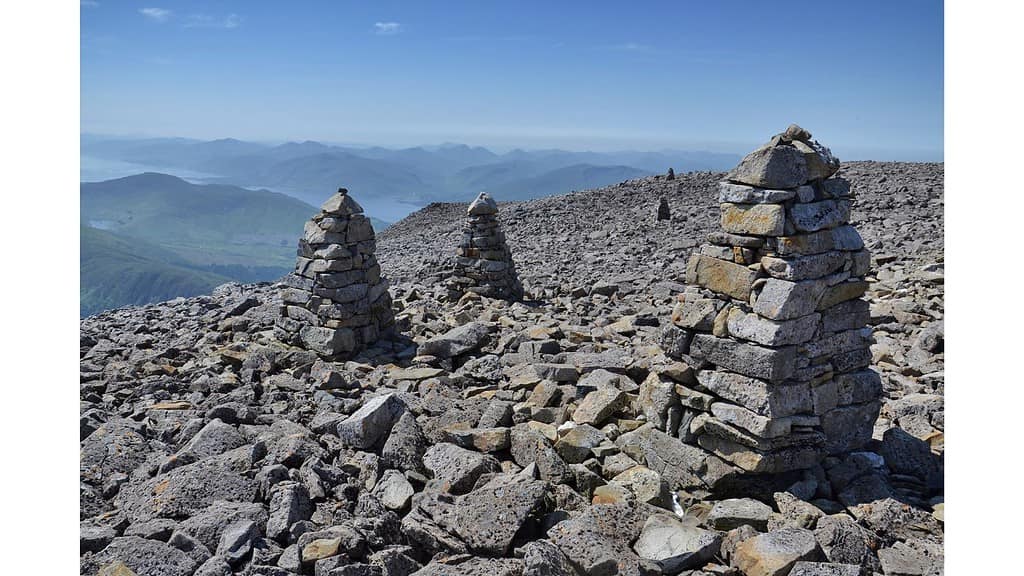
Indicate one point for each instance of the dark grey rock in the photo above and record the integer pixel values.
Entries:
(405, 445)
(488, 518)
(372, 422)
(457, 468)
(142, 557)
(236, 541)
(735, 512)
(289, 503)
(459, 340)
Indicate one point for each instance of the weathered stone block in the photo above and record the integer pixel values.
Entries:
(771, 166)
(742, 194)
(849, 427)
(847, 238)
(759, 462)
(776, 401)
(762, 426)
(858, 387)
(719, 238)
(844, 341)
(814, 216)
(845, 316)
(772, 364)
(753, 327)
(804, 267)
(802, 244)
(775, 553)
(756, 219)
(720, 276)
(327, 341)
(784, 300)
(842, 292)
(696, 313)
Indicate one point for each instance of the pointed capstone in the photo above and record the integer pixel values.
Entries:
(483, 204)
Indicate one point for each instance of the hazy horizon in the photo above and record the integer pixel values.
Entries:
(738, 148)
(865, 78)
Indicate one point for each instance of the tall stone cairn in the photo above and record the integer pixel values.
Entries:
(335, 302)
(772, 319)
(483, 261)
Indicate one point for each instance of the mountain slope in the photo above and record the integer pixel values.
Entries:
(116, 271)
(166, 237)
(212, 224)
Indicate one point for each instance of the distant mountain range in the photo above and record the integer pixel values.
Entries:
(151, 237)
(446, 173)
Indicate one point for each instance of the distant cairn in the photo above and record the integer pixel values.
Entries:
(483, 263)
(336, 302)
(773, 322)
(664, 213)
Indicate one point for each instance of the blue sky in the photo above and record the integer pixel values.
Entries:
(865, 77)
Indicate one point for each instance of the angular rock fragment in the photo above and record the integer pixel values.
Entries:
(775, 553)
(457, 468)
(676, 546)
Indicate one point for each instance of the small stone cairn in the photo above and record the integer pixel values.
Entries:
(664, 212)
(773, 322)
(483, 261)
(335, 303)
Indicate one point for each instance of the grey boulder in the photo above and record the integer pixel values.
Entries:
(676, 546)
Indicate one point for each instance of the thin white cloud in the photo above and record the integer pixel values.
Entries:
(632, 47)
(208, 21)
(387, 28)
(91, 3)
(156, 14)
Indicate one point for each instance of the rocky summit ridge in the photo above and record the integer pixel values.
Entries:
(496, 436)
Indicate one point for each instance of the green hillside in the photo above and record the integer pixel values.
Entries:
(116, 271)
(204, 225)
(152, 237)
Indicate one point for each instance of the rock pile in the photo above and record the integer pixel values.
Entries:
(336, 302)
(484, 264)
(501, 437)
(664, 212)
(773, 321)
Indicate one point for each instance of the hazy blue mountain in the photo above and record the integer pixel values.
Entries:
(311, 170)
(436, 160)
(313, 177)
(116, 271)
(177, 152)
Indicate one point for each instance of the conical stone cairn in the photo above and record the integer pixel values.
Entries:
(483, 261)
(336, 303)
(772, 320)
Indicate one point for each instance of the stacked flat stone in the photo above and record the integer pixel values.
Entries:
(335, 302)
(483, 261)
(774, 309)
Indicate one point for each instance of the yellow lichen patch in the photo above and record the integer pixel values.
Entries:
(161, 486)
(116, 568)
(758, 219)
